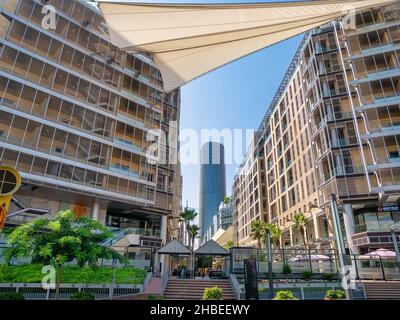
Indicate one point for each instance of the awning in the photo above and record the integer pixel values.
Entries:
(174, 247)
(211, 248)
(189, 40)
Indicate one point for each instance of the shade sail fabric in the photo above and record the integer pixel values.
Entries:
(187, 41)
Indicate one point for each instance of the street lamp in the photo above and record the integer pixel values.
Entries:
(270, 275)
(395, 244)
(339, 240)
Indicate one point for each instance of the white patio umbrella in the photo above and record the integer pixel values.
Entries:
(306, 258)
(379, 253)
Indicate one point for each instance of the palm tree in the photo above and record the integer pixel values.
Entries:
(187, 216)
(194, 233)
(257, 231)
(227, 200)
(276, 233)
(300, 223)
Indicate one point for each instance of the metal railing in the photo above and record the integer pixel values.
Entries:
(314, 264)
(35, 291)
(304, 291)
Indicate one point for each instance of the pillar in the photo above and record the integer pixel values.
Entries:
(291, 236)
(339, 164)
(163, 228)
(95, 210)
(349, 225)
(317, 231)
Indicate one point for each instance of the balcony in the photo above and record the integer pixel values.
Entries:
(337, 143)
(115, 167)
(333, 92)
(128, 143)
(348, 170)
(385, 130)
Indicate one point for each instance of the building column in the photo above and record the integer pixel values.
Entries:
(95, 210)
(339, 164)
(349, 223)
(163, 229)
(317, 231)
(291, 236)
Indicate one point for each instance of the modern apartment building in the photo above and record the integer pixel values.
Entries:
(222, 220)
(77, 116)
(249, 194)
(333, 127)
(352, 78)
(212, 182)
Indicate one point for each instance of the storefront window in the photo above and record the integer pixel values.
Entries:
(376, 221)
(371, 221)
(385, 221)
(396, 218)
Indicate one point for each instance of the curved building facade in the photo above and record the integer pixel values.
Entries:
(212, 182)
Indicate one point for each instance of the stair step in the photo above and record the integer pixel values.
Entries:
(194, 289)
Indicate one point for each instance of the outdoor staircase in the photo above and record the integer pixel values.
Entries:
(382, 290)
(192, 289)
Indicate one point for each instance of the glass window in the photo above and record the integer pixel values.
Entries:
(371, 221)
(385, 221)
(396, 218)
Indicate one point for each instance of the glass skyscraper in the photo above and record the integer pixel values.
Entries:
(212, 182)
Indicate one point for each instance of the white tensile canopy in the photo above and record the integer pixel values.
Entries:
(187, 41)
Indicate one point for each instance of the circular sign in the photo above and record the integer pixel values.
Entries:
(10, 181)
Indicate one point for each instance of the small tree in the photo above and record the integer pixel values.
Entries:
(300, 223)
(187, 216)
(229, 245)
(257, 231)
(59, 241)
(276, 233)
(194, 233)
(227, 200)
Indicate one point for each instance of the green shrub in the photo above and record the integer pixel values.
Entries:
(213, 293)
(335, 294)
(153, 297)
(286, 269)
(12, 296)
(83, 295)
(307, 275)
(32, 273)
(328, 276)
(285, 295)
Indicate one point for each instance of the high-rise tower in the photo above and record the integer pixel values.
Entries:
(212, 182)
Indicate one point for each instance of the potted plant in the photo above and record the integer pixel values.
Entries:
(335, 295)
(307, 275)
(285, 295)
(213, 293)
(286, 269)
(328, 276)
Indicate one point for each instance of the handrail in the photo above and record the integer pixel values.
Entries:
(147, 281)
(164, 282)
(235, 285)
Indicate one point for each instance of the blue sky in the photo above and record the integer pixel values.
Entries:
(235, 96)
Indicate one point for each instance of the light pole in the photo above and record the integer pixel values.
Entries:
(395, 245)
(270, 275)
(339, 240)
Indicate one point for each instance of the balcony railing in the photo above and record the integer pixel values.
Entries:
(336, 143)
(349, 170)
(124, 170)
